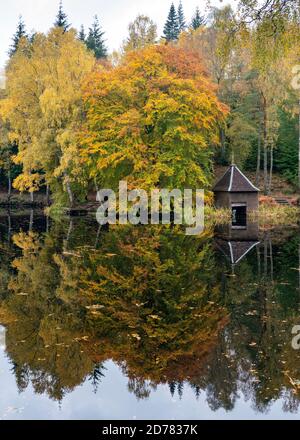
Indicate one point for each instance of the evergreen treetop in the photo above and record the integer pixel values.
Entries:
(81, 35)
(171, 29)
(62, 19)
(20, 33)
(181, 18)
(95, 40)
(197, 20)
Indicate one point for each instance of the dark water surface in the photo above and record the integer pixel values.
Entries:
(147, 323)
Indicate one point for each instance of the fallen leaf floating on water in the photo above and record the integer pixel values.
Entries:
(140, 305)
(72, 254)
(251, 313)
(96, 313)
(95, 307)
(83, 338)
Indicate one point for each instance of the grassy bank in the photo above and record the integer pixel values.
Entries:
(216, 217)
(267, 216)
(21, 200)
(277, 215)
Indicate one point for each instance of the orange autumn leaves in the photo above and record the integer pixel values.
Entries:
(153, 120)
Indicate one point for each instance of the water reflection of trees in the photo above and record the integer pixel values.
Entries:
(164, 306)
(263, 301)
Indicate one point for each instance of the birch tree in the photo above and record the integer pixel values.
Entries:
(44, 109)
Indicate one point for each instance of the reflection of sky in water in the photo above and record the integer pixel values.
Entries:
(2, 338)
(113, 401)
(2, 79)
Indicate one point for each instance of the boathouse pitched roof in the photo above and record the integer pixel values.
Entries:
(235, 251)
(234, 181)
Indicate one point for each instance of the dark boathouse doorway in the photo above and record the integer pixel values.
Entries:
(239, 215)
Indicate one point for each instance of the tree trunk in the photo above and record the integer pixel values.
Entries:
(47, 224)
(9, 225)
(96, 185)
(31, 197)
(299, 276)
(66, 241)
(69, 190)
(9, 185)
(31, 219)
(271, 170)
(258, 157)
(258, 261)
(265, 258)
(299, 150)
(271, 260)
(47, 195)
(97, 237)
(222, 139)
(265, 146)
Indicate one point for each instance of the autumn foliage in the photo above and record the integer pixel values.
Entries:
(152, 120)
(43, 107)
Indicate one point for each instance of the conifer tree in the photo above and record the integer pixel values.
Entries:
(180, 389)
(62, 19)
(197, 20)
(172, 387)
(81, 35)
(181, 18)
(20, 33)
(171, 29)
(95, 40)
(32, 36)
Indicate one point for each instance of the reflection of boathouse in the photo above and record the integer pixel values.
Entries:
(235, 191)
(234, 243)
(235, 251)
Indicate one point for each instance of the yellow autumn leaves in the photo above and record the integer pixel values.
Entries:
(152, 120)
(43, 106)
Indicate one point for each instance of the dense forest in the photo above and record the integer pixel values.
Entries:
(160, 112)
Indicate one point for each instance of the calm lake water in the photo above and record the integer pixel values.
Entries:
(147, 323)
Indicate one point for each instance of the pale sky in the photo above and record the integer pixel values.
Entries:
(114, 16)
